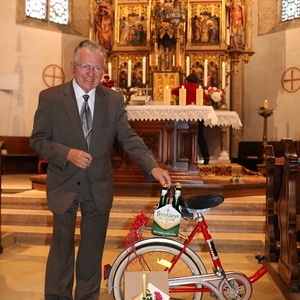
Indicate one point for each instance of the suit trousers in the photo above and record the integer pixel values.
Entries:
(60, 265)
(202, 141)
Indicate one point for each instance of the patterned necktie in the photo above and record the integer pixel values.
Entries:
(86, 119)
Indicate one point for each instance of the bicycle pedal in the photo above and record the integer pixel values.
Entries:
(260, 258)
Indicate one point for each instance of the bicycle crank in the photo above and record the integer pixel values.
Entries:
(235, 287)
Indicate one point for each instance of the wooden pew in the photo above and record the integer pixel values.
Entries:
(2, 145)
(274, 174)
(251, 153)
(18, 158)
(289, 218)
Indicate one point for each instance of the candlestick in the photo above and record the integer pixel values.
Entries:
(199, 96)
(223, 75)
(187, 71)
(129, 74)
(144, 70)
(167, 95)
(109, 70)
(205, 73)
(145, 282)
(266, 104)
(182, 96)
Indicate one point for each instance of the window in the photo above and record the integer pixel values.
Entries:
(54, 11)
(290, 10)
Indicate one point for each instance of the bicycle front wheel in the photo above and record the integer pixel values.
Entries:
(146, 259)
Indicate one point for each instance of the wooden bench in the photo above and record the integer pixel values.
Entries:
(274, 174)
(283, 213)
(250, 154)
(17, 157)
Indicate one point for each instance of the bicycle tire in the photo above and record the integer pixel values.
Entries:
(186, 266)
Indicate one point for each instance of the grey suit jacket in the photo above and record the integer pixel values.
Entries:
(57, 128)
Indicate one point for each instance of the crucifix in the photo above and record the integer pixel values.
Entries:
(146, 89)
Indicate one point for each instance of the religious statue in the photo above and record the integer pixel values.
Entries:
(104, 23)
(237, 19)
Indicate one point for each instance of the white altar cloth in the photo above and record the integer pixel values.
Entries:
(174, 113)
(210, 116)
(228, 118)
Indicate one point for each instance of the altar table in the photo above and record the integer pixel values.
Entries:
(191, 114)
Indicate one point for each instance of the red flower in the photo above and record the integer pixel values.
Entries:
(158, 296)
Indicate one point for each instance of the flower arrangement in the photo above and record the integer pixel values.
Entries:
(106, 81)
(215, 96)
(136, 91)
(156, 296)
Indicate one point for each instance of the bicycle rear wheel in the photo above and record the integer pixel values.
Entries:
(146, 260)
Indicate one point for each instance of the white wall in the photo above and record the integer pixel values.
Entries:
(274, 54)
(27, 51)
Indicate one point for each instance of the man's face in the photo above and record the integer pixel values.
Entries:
(88, 69)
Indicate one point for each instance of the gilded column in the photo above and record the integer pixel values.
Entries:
(237, 104)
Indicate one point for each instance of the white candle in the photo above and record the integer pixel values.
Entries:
(150, 59)
(109, 70)
(167, 95)
(129, 74)
(199, 96)
(223, 75)
(266, 104)
(179, 60)
(205, 73)
(182, 96)
(144, 70)
(173, 60)
(187, 65)
(156, 59)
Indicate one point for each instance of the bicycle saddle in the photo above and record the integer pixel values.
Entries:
(200, 203)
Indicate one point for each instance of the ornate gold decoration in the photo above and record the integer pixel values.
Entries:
(170, 46)
(235, 56)
(161, 80)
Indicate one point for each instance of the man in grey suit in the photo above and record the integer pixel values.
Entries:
(80, 171)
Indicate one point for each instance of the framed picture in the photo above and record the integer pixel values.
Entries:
(205, 23)
(132, 24)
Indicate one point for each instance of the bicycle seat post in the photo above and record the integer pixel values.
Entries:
(199, 217)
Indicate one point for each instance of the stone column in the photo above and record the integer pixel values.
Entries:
(237, 104)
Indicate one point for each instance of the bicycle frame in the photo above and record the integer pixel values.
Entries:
(202, 227)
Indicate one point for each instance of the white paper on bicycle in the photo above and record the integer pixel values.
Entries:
(166, 221)
(138, 284)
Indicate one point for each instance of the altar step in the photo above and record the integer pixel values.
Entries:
(237, 225)
(130, 182)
